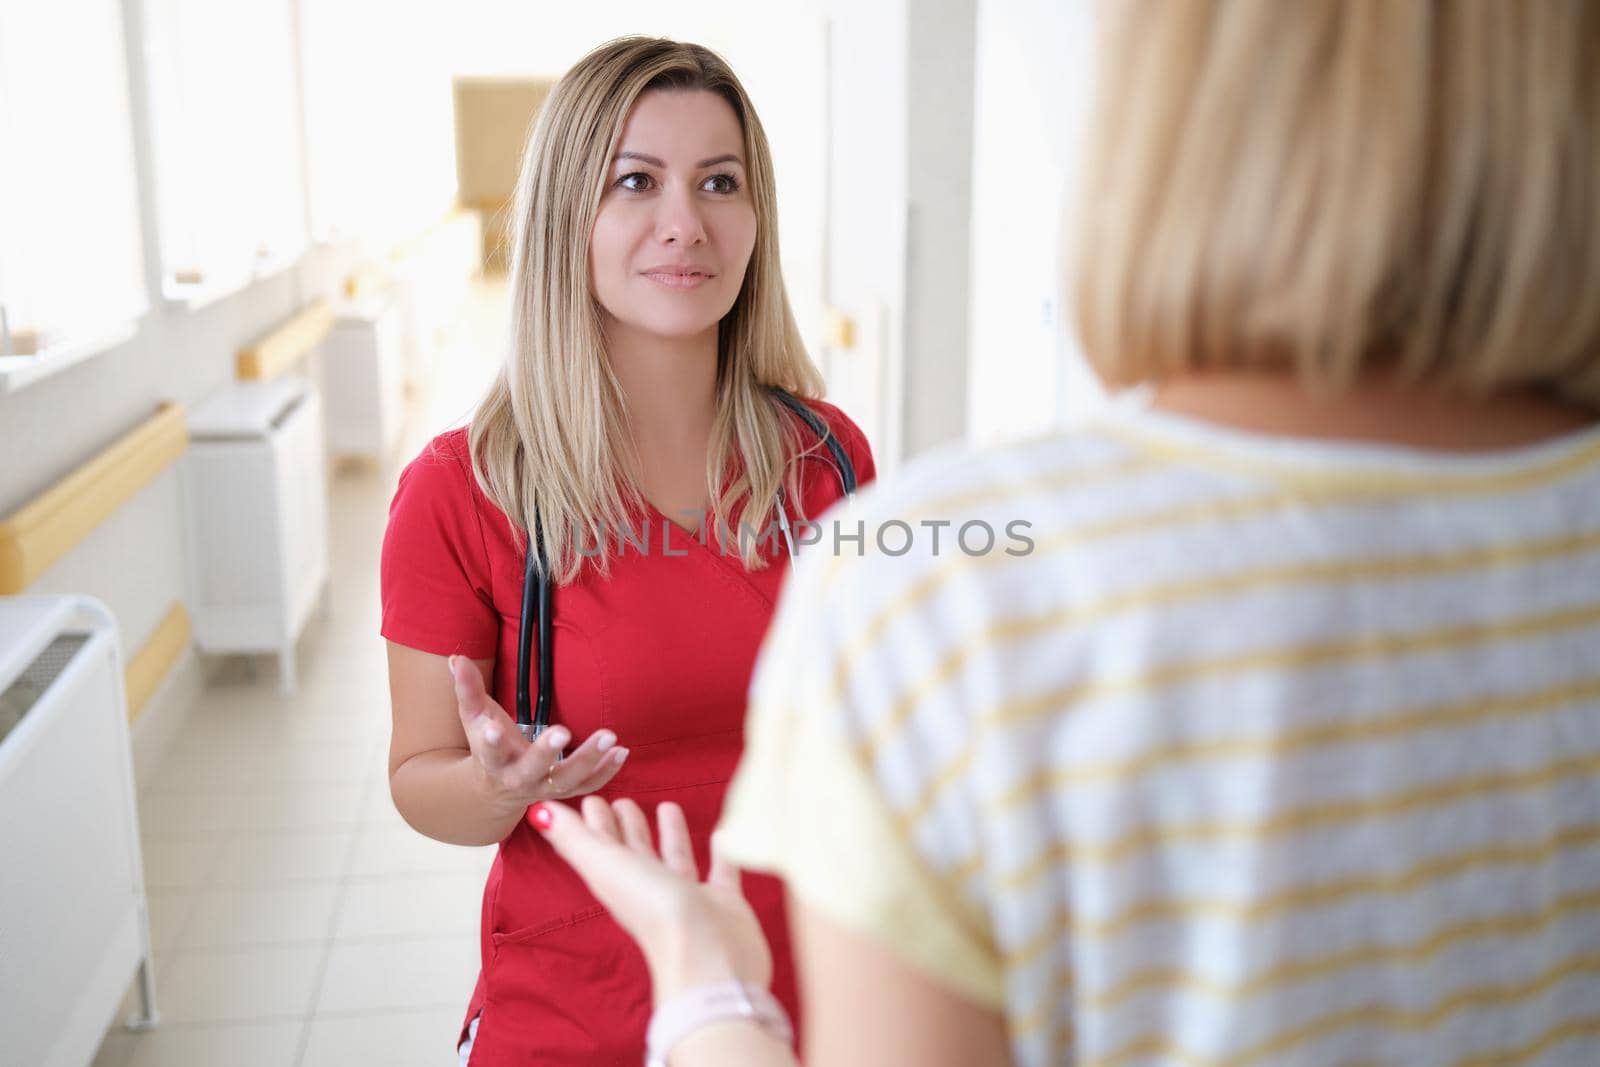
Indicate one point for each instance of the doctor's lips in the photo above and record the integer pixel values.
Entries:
(678, 275)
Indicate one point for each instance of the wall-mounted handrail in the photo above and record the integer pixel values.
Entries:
(156, 657)
(287, 344)
(48, 526)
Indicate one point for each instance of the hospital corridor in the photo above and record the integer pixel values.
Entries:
(1020, 533)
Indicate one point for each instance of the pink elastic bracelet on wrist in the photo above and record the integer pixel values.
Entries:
(707, 1004)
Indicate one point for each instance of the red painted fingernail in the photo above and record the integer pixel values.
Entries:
(540, 816)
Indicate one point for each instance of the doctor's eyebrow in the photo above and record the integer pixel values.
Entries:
(654, 162)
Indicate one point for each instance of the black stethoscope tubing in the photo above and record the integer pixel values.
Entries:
(535, 604)
(533, 716)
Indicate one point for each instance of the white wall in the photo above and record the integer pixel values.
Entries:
(866, 214)
(900, 191)
(939, 185)
(1033, 80)
(378, 119)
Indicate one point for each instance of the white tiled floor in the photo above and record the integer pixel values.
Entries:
(297, 921)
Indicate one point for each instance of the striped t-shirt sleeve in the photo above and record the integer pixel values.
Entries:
(806, 806)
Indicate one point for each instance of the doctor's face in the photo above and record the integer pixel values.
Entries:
(676, 224)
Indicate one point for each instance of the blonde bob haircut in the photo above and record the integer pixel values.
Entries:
(553, 427)
(1336, 186)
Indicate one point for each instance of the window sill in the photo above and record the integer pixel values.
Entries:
(17, 372)
(193, 297)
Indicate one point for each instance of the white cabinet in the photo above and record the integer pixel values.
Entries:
(255, 490)
(73, 923)
(363, 379)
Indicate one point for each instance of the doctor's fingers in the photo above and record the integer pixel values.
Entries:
(472, 699)
(524, 767)
(498, 745)
(589, 767)
(563, 785)
(491, 734)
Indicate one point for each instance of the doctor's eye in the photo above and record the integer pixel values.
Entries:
(637, 182)
(721, 183)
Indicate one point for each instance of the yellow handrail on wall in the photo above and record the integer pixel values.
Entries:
(286, 345)
(48, 526)
(155, 658)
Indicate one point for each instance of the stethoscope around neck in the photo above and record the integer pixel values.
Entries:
(533, 714)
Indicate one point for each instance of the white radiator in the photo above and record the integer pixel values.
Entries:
(73, 924)
(256, 505)
(363, 380)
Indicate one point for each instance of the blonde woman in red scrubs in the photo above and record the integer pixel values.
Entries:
(634, 422)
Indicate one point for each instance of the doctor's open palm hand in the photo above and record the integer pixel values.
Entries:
(692, 933)
(522, 772)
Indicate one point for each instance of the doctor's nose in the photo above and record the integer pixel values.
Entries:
(679, 221)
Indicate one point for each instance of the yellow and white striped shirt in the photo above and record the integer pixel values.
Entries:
(1268, 752)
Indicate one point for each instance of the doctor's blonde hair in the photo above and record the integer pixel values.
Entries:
(552, 428)
(1333, 186)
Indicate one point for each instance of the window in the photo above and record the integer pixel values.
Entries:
(71, 261)
(379, 132)
(225, 132)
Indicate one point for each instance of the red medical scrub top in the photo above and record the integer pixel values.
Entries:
(661, 653)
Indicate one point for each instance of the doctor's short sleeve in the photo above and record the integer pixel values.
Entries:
(437, 590)
(820, 803)
(860, 452)
(854, 441)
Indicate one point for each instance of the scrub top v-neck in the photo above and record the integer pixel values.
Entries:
(660, 651)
